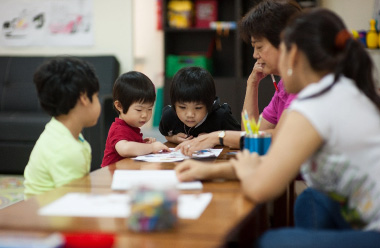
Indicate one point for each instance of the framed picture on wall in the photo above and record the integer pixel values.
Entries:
(46, 23)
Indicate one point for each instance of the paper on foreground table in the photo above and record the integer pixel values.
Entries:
(16, 239)
(31, 239)
(190, 206)
(126, 179)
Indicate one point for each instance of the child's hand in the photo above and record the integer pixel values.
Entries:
(149, 140)
(179, 138)
(158, 146)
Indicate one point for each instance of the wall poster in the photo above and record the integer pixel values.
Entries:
(46, 23)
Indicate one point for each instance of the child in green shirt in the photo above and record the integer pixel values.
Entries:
(68, 91)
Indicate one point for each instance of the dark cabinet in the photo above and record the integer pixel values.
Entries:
(231, 58)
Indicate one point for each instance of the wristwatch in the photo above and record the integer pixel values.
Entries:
(221, 137)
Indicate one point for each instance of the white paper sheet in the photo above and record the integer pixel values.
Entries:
(125, 179)
(190, 206)
(176, 156)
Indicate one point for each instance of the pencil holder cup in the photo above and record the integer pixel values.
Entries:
(153, 208)
(258, 143)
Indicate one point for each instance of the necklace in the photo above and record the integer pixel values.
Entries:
(188, 131)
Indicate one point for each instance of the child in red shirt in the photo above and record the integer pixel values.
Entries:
(133, 96)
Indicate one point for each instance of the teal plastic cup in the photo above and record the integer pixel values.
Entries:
(258, 143)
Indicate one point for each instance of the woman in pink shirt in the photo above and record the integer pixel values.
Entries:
(261, 27)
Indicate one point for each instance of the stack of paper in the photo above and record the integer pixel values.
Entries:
(125, 179)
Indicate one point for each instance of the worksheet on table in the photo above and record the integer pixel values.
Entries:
(175, 156)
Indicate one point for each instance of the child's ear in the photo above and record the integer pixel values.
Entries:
(83, 98)
(118, 106)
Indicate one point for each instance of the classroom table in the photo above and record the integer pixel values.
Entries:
(227, 207)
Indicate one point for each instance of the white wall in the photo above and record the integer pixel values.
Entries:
(355, 13)
(148, 44)
(148, 41)
(113, 35)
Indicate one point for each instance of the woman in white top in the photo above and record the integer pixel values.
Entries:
(331, 133)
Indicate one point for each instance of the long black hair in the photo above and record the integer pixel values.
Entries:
(320, 35)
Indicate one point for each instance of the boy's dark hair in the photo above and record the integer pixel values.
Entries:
(267, 19)
(133, 87)
(193, 84)
(61, 81)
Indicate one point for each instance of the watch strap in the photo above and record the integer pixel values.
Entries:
(221, 138)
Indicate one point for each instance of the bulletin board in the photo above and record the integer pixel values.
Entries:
(46, 23)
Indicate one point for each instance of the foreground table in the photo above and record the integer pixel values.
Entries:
(226, 208)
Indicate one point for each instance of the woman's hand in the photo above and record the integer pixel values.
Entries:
(191, 170)
(201, 142)
(245, 164)
(251, 104)
(256, 75)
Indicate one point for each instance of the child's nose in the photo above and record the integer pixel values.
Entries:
(190, 113)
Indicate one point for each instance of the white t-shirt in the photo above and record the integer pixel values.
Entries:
(347, 166)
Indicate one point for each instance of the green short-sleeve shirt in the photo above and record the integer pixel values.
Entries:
(57, 158)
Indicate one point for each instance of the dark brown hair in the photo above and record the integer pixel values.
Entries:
(133, 87)
(193, 84)
(60, 82)
(267, 20)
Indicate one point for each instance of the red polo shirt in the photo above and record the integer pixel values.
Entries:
(119, 130)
